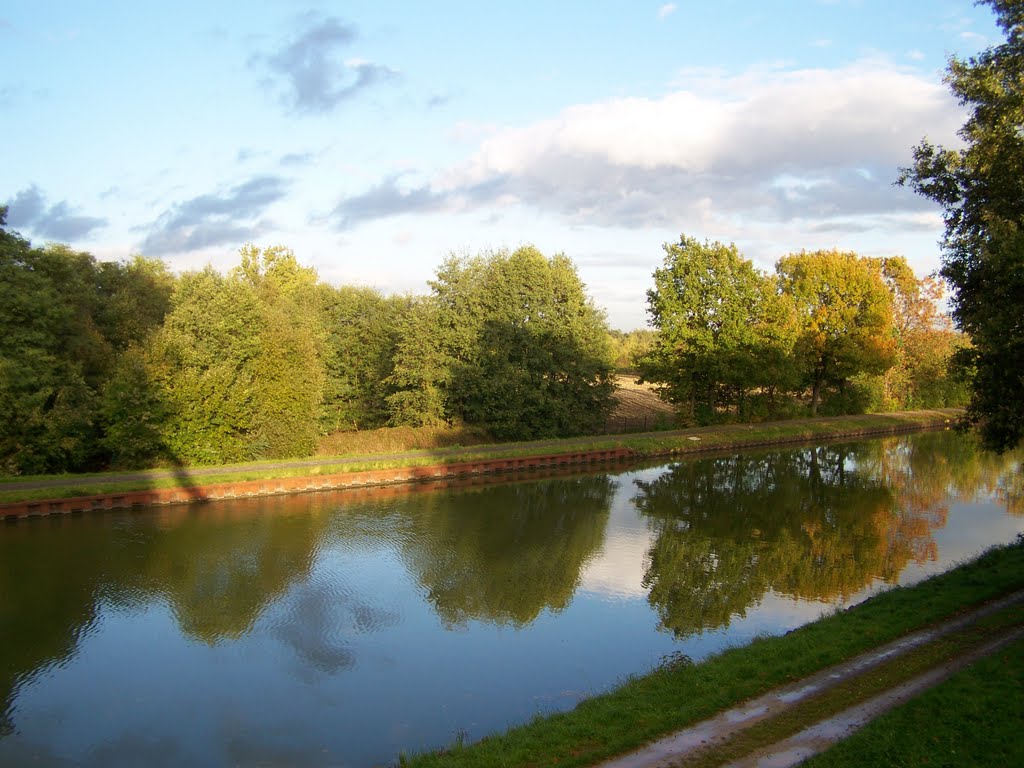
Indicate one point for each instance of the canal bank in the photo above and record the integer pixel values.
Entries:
(779, 700)
(43, 496)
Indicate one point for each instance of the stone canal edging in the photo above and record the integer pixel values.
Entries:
(185, 493)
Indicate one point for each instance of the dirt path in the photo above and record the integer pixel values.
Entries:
(674, 750)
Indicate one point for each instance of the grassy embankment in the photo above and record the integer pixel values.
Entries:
(974, 718)
(380, 455)
(681, 694)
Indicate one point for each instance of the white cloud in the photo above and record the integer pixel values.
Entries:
(716, 148)
(666, 10)
(773, 159)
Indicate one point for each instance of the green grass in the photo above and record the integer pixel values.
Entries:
(974, 718)
(643, 446)
(859, 688)
(675, 696)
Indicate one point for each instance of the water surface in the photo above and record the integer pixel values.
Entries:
(340, 629)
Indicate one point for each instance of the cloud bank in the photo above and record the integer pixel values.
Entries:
(213, 219)
(815, 145)
(28, 211)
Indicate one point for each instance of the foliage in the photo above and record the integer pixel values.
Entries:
(856, 334)
(845, 315)
(65, 320)
(509, 342)
(362, 336)
(628, 346)
(981, 190)
(722, 330)
(238, 361)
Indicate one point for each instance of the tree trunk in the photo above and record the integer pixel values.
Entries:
(815, 393)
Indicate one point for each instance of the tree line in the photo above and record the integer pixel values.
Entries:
(829, 330)
(124, 364)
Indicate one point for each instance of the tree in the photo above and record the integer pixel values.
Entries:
(926, 343)
(509, 342)
(238, 361)
(845, 314)
(981, 190)
(361, 336)
(721, 328)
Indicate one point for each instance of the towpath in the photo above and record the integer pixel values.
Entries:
(715, 734)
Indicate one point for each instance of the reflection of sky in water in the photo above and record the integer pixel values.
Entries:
(346, 660)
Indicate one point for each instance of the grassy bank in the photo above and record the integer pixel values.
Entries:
(973, 718)
(646, 445)
(681, 694)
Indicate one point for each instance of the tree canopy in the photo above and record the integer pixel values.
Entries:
(732, 342)
(508, 341)
(981, 190)
(123, 364)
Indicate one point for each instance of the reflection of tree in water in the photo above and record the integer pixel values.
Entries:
(505, 553)
(46, 603)
(219, 572)
(818, 523)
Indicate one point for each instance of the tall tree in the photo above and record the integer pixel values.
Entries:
(238, 361)
(981, 190)
(65, 320)
(926, 343)
(509, 342)
(721, 328)
(845, 313)
(361, 336)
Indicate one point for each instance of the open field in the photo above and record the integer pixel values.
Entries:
(638, 408)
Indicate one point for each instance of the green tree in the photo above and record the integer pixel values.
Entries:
(238, 361)
(418, 385)
(721, 329)
(981, 190)
(288, 369)
(361, 341)
(845, 317)
(628, 347)
(509, 342)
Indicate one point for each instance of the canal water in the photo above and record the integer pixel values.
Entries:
(342, 629)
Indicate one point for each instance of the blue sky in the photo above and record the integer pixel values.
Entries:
(376, 138)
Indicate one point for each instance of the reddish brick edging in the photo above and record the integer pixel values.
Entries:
(286, 485)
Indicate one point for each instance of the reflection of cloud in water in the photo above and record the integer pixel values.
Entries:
(317, 621)
(618, 571)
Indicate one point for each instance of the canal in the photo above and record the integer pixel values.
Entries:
(344, 628)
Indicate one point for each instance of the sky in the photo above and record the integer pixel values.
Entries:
(377, 138)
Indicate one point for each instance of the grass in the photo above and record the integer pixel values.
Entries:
(646, 445)
(400, 440)
(678, 695)
(974, 718)
(860, 688)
